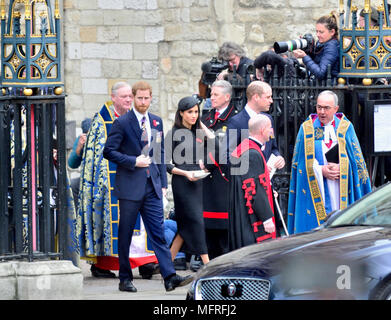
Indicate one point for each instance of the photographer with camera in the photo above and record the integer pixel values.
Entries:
(239, 72)
(326, 50)
(235, 56)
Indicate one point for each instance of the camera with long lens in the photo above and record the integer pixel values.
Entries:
(211, 69)
(306, 43)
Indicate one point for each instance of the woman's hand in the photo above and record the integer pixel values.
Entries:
(209, 134)
(299, 54)
(190, 176)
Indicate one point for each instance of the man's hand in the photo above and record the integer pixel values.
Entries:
(280, 162)
(222, 74)
(331, 171)
(164, 192)
(269, 226)
(143, 161)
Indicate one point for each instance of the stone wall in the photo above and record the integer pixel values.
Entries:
(165, 42)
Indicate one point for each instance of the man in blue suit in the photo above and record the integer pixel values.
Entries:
(136, 145)
(259, 99)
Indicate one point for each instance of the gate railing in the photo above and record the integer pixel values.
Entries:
(294, 99)
(33, 201)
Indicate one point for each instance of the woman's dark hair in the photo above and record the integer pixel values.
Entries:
(331, 22)
(178, 120)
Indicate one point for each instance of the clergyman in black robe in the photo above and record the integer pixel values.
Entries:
(251, 197)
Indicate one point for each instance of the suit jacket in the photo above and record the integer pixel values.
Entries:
(124, 145)
(239, 123)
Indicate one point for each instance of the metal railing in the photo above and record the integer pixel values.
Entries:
(33, 177)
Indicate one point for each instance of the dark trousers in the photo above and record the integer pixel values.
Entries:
(217, 241)
(151, 210)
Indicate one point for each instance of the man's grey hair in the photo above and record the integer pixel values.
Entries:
(330, 93)
(256, 123)
(118, 85)
(225, 85)
(229, 48)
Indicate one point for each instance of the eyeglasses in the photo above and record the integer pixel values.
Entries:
(232, 59)
(325, 108)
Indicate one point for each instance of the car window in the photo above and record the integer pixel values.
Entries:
(375, 209)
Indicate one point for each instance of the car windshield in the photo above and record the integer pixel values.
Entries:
(373, 210)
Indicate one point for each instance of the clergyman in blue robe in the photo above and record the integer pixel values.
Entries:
(320, 185)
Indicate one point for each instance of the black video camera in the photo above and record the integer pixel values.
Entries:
(306, 43)
(211, 69)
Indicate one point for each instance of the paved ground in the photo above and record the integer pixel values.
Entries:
(107, 289)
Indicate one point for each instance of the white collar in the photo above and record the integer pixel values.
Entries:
(221, 111)
(256, 140)
(140, 115)
(259, 142)
(250, 111)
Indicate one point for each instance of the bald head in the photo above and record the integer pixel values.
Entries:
(260, 128)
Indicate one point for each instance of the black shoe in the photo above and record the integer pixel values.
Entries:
(180, 264)
(100, 273)
(147, 270)
(127, 285)
(176, 281)
(195, 263)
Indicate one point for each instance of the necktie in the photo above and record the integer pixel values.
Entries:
(144, 140)
(217, 114)
(144, 135)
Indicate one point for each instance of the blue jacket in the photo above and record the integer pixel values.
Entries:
(124, 145)
(318, 62)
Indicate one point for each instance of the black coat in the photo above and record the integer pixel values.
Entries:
(216, 185)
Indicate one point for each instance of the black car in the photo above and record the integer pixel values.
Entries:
(348, 257)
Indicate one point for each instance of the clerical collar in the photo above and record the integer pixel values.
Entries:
(332, 122)
(116, 114)
(257, 141)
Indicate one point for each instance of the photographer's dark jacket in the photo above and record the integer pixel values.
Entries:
(324, 54)
(243, 65)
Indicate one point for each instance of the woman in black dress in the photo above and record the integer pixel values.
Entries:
(184, 145)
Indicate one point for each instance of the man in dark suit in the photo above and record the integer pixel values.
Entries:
(216, 185)
(136, 145)
(259, 96)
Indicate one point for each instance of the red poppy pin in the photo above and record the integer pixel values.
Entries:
(155, 123)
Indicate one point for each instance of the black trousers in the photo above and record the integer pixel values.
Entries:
(151, 210)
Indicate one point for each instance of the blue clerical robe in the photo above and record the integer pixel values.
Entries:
(306, 207)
